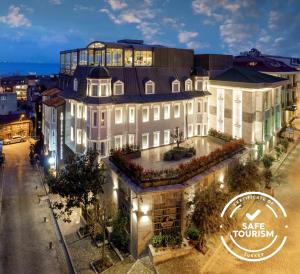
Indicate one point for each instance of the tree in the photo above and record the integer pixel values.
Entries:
(78, 183)
(177, 136)
(119, 234)
(244, 177)
(206, 207)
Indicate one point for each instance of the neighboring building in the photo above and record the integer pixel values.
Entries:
(15, 124)
(17, 84)
(131, 93)
(254, 60)
(53, 125)
(8, 103)
(247, 104)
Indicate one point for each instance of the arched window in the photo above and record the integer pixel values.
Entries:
(118, 88)
(188, 85)
(176, 86)
(150, 87)
(75, 84)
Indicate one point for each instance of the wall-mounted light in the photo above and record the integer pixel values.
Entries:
(51, 161)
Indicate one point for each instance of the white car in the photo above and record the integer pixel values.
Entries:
(15, 139)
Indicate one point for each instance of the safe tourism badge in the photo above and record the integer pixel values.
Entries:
(259, 226)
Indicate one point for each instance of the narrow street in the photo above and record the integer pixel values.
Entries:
(24, 236)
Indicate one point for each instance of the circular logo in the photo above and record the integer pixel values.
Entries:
(259, 226)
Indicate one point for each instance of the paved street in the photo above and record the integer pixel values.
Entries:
(24, 236)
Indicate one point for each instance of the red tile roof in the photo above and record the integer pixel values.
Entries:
(55, 102)
(50, 92)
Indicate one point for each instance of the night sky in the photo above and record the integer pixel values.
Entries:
(35, 32)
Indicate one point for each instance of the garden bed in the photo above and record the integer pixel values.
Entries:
(98, 266)
(83, 232)
(162, 254)
(178, 153)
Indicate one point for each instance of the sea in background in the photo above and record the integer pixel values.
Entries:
(9, 69)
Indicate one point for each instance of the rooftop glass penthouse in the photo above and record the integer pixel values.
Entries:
(124, 53)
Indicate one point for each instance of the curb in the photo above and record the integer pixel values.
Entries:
(69, 261)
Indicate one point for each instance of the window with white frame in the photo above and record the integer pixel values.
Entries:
(156, 113)
(167, 136)
(199, 85)
(188, 85)
(102, 148)
(72, 134)
(118, 88)
(150, 87)
(237, 113)
(79, 136)
(131, 115)
(198, 128)
(190, 130)
(199, 106)
(145, 114)
(190, 108)
(75, 85)
(84, 114)
(102, 122)
(145, 140)
(205, 107)
(84, 140)
(166, 112)
(205, 85)
(131, 139)
(79, 111)
(176, 110)
(118, 116)
(104, 92)
(72, 109)
(176, 86)
(94, 118)
(94, 90)
(156, 136)
(118, 142)
(220, 110)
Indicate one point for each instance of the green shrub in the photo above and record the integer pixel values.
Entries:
(178, 153)
(164, 240)
(268, 160)
(193, 233)
(157, 240)
(285, 143)
(119, 235)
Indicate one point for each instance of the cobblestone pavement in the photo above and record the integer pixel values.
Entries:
(24, 237)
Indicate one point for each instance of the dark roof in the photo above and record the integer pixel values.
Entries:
(99, 73)
(243, 75)
(200, 71)
(134, 80)
(262, 63)
(11, 118)
(50, 92)
(146, 98)
(55, 102)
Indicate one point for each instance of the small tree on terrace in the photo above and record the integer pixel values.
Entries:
(244, 177)
(206, 207)
(78, 183)
(177, 136)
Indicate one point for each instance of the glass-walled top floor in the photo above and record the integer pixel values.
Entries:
(105, 56)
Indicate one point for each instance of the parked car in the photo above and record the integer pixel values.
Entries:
(15, 139)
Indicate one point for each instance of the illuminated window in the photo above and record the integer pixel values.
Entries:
(175, 86)
(118, 88)
(118, 116)
(142, 58)
(72, 134)
(131, 115)
(95, 90)
(166, 136)
(188, 85)
(118, 142)
(72, 109)
(83, 57)
(176, 110)
(199, 106)
(166, 112)
(145, 114)
(156, 113)
(102, 118)
(79, 136)
(145, 140)
(79, 111)
(149, 87)
(128, 58)
(190, 130)
(114, 57)
(99, 57)
(131, 138)
(156, 136)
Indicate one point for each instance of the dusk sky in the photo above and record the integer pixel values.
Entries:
(35, 32)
